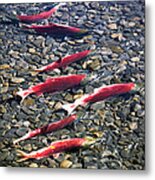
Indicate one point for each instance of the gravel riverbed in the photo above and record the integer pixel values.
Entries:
(116, 32)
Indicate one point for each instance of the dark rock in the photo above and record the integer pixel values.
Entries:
(21, 131)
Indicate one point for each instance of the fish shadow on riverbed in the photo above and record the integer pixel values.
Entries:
(7, 21)
(56, 35)
(126, 96)
(9, 100)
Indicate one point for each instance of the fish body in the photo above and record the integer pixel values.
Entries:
(48, 128)
(99, 95)
(56, 29)
(56, 147)
(52, 85)
(38, 17)
(64, 62)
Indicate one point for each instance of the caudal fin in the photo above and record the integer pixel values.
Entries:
(17, 141)
(42, 69)
(23, 93)
(38, 70)
(25, 26)
(60, 4)
(24, 156)
(26, 136)
(69, 107)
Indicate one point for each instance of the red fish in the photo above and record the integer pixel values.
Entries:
(52, 85)
(56, 29)
(56, 147)
(48, 128)
(99, 95)
(38, 17)
(62, 63)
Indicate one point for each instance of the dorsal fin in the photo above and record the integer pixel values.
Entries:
(59, 61)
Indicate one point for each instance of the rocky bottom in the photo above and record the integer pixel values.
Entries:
(117, 34)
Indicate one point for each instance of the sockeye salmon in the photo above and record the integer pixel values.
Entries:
(40, 16)
(48, 128)
(56, 29)
(56, 147)
(99, 95)
(64, 62)
(52, 85)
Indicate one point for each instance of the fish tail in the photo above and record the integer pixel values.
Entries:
(17, 141)
(60, 4)
(34, 72)
(69, 107)
(24, 156)
(23, 93)
(25, 26)
(39, 70)
(26, 136)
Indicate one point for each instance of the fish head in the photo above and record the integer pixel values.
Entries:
(132, 86)
(89, 141)
(83, 31)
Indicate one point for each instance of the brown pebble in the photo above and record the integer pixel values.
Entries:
(112, 26)
(17, 80)
(133, 125)
(4, 66)
(118, 36)
(65, 164)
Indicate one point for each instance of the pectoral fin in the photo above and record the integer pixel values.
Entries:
(56, 155)
(38, 93)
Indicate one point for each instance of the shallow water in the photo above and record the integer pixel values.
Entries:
(116, 32)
